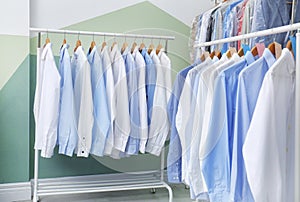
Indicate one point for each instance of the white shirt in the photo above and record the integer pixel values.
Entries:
(46, 103)
(167, 72)
(159, 127)
(210, 80)
(122, 120)
(182, 119)
(81, 72)
(140, 64)
(109, 84)
(269, 145)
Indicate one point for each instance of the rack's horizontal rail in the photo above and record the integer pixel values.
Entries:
(59, 31)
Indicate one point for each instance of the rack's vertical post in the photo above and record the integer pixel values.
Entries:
(297, 120)
(36, 152)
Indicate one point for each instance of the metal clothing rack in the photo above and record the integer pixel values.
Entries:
(121, 182)
(278, 30)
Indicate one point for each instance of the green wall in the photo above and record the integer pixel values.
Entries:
(14, 118)
(16, 101)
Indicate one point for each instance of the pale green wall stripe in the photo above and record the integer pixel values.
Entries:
(14, 53)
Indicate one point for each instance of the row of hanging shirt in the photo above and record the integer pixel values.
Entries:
(232, 127)
(236, 17)
(107, 102)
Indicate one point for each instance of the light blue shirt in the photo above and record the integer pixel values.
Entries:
(133, 143)
(101, 113)
(67, 132)
(175, 151)
(150, 82)
(216, 163)
(249, 84)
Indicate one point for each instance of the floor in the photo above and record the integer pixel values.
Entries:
(180, 195)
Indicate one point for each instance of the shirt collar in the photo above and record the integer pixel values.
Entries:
(269, 57)
(47, 47)
(126, 51)
(62, 51)
(113, 52)
(79, 52)
(90, 54)
(249, 58)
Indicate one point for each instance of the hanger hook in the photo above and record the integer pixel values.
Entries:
(104, 36)
(152, 40)
(64, 34)
(125, 37)
(47, 33)
(78, 35)
(93, 36)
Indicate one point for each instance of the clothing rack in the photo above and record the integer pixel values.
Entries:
(130, 181)
(278, 30)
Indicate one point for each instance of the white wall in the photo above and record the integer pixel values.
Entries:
(14, 17)
(57, 13)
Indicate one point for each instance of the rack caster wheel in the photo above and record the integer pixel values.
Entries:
(187, 187)
(153, 190)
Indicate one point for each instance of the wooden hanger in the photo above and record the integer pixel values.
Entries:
(133, 46)
(275, 49)
(212, 54)
(204, 56)
(230, 52)
(78, 43)
(218, 54)
(142, 46)
(241, 52)
(254, 51)
(124, 46)
(103, 44)
(158, 48)
(290, 46)
(93, 44)
(47, 40)
(151, 47)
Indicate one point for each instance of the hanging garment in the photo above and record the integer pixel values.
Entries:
(230, 23)
(46, 103)
(167, 71)
(192, 176)
(133, 143)
(109, 85)
(175, 151)
(215, 166)
(81, 72)
(150, 82)
(264, 19)
(142, 105)
(159, 127)
(101, 112)
(67, 128)
(249, 84)
(122, 122)
(270, 166)
(183, 116)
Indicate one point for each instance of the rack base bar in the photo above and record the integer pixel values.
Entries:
(101, 183)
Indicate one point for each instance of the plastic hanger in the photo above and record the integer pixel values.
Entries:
(78, 43)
